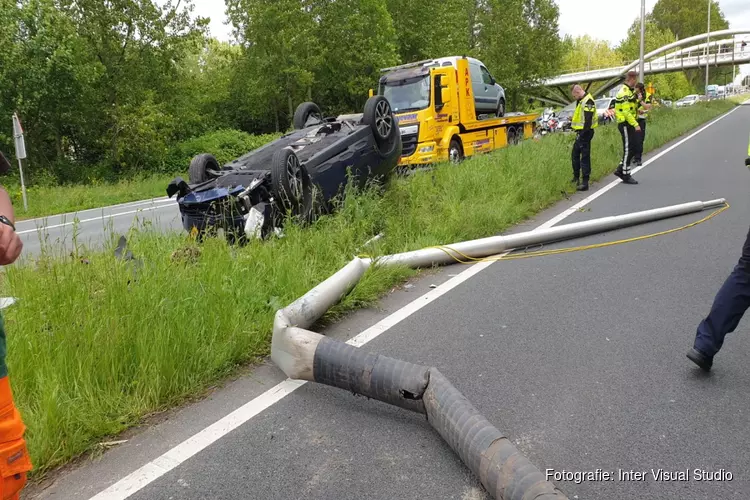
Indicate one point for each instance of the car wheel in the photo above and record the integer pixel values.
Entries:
(291, 183)
(379, 117)
(501, 108)
(202, 167)
(511, 136)
(455, 151)
(304, 112)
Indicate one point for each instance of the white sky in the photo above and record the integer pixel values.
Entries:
(577, 17)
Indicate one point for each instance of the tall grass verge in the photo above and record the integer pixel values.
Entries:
(44, 201)
(96, 343)
(47, 199)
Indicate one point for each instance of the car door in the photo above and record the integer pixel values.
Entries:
(477, 86)
(491, 92)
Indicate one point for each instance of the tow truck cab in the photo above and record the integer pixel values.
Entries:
(435, 106)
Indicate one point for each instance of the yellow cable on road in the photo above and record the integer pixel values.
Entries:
(470, 260)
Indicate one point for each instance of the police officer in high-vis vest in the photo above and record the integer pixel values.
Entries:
(584, 122)
(645, 103)
(627, 124)
(730, 304)
(14, 457)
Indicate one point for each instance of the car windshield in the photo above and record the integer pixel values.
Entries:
(408, 95)
(602, 103)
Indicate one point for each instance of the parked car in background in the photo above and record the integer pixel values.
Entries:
(688, 100)
(605, 109)
(565, 117)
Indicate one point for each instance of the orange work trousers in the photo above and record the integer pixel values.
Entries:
(15, 462)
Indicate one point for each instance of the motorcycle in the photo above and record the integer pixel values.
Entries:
(547, 121)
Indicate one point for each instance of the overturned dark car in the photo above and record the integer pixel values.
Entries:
(300, 174)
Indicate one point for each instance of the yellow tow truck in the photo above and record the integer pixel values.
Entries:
(436, 104)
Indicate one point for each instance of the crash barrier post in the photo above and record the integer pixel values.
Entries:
(503, 471)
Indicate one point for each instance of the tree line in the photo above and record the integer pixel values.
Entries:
(669, 21)
(105, 88)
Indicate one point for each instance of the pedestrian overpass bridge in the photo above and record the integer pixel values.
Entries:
(721, 50)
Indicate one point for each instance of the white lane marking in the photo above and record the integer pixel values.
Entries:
(171, 459)
(113, 207)
(104, 217)
(174, 457)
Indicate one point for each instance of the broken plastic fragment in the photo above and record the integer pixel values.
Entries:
(254, 224)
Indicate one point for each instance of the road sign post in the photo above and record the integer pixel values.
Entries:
(20, 154)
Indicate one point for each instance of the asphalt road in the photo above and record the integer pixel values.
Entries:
(92, 227)
(579, 357)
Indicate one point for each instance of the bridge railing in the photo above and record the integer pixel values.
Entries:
(726, 51)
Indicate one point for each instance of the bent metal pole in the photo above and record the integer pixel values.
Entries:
(501, 468)
(304, 355)
(497, 244)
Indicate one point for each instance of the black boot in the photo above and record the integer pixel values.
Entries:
(583, 186)
(700, 359)
(628, 179)
(574, 180)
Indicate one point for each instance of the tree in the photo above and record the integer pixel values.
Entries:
(203, 98)
(138, 46)
(427, 29)
(686, 18)
(668, 86)
(510, 35)
(94, 81)
(357, 38)
(281, 52)
(584, 52)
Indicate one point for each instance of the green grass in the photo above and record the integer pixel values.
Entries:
(94, 347)
(48, 200)
(740, 98)
(226, 145)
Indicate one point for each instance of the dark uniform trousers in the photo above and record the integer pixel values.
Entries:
(582, 154)
(729, 306)
(641, 139)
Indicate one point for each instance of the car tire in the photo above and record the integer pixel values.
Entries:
(511, 136)
(200, 166)
(501, 108)
(304, 112)
(378, 115)
(455, 152)
(291, 184)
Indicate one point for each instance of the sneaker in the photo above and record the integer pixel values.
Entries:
(700, 359)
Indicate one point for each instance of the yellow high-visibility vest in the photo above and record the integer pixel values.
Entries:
(625, 103)
(585, 104)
